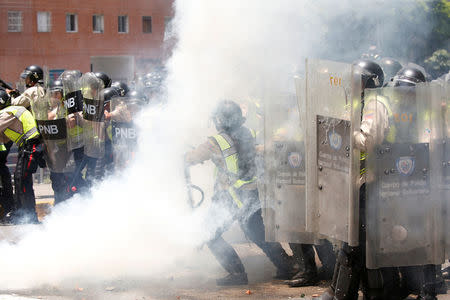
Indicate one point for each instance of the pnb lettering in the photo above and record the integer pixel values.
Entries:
(69, 103)
(128, 133)
(90, 109)
(48, 129)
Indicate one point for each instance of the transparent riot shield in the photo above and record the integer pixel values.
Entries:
(93, 119)
(445, 113)
(124, 132)
(284, 171)
(73, 102)
(333, 106)
(404, 202)
(50, 115)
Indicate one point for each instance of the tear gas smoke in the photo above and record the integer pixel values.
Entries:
(136, 223)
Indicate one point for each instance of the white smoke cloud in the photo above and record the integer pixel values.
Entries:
(137, 223)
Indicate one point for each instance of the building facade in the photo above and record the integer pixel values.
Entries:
(120, 37)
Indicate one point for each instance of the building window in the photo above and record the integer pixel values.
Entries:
(71, 23)
(147, 24)
(97, 23)
(168, 32)
(14, 21)
(123, 24)
(44, 23)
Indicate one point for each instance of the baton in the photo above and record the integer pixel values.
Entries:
(190, 187)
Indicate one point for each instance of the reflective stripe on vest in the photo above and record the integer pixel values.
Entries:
(231, 160)
(390, 136)
(28, 124)
(2, 147)
(229, 153)
(236, 186)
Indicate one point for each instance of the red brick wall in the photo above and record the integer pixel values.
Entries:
(59, 49)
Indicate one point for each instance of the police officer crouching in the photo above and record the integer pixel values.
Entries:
(18, 125)
(233, 152)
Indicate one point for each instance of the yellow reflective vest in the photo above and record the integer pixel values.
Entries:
(231, 158)
(28, 123)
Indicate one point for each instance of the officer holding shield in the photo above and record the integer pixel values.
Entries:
(350, 264)
(389, 124)
(53, 127)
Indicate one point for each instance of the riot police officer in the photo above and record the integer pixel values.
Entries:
(350, 266)
(93, 121)
(33, 77)
(232, 150)
(426, 280)
(105, 165)
(18, 125)
(122, 129)
(60, 179)
(377, 126)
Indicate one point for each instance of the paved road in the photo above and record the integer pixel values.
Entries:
(191, 281)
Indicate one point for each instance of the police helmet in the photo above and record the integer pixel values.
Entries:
(105, 78)
(408, 76)
(108, 94)
(390, 67)
(228, 116)
(5, 99)
(153, 81)
(33, 72)
(56, 86)
(137, 97)
(372, 74)
(121, 87)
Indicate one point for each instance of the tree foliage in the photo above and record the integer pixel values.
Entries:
(408, 30)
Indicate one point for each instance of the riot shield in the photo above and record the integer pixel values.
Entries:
(284, 171)
(50, 115)
(404, 201)
(73, 102)
(123, 130)
(93, 118)
(445, 119)
(333, 106)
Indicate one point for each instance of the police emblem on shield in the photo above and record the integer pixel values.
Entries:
(294, 159)
(405, 165)
(335, 140)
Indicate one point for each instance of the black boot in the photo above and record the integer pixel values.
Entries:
(327, 257)
(446, 273)
(303, 279)
(309, 276)
(441, 285)
(233, 279)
